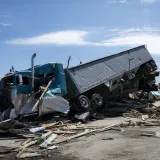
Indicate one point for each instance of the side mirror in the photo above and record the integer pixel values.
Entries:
(20, 79)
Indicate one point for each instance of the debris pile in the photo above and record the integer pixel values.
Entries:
(133, 114)
(48, 136)
(121, 84)
(38, 138)
(152, 110)
(81, 90)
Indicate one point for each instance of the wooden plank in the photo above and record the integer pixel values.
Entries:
(43, 93)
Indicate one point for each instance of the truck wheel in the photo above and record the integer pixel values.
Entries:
(97, 99)
(83, 102)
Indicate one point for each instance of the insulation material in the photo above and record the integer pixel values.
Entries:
(52, 103)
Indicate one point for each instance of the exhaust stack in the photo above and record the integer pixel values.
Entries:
(32, 68)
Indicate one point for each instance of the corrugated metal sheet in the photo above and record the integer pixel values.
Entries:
(91, 74)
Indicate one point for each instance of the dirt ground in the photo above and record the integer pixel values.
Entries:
(112, 145)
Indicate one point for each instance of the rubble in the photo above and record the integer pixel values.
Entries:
(28, 155)
(5, 150)
(52, 103)
(49, 88)
(108, 138)
(133, 114)
(48, 141)
(132, 94)
(63, 130)
(37, 129)
(11, 124)
(59, 132)
(82, 116)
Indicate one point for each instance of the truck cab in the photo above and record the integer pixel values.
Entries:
(21, 81)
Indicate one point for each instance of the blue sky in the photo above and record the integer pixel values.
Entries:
(84, 29)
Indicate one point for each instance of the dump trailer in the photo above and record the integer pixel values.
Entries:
(110, 76)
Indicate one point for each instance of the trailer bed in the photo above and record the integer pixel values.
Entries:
(86, 76)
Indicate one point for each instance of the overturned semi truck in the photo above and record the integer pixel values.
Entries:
(86, 84)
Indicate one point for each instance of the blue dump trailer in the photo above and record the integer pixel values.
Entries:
(90, 83)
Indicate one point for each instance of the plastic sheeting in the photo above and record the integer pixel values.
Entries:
(53, 103)
(26, 109)
(82, 116)
(13, 114)
(154, 95)
(20, 101)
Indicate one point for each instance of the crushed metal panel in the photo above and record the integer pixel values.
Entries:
(91, 74)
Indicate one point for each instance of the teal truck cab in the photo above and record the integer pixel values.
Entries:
(22, 82)
(42, 75)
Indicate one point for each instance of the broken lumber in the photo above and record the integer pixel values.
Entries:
(72, 137)
(2, 156)
(29, 155)
(65, 132)
(27, 141)
(30, 143)
(43, 93)
(48, 141)
(87, 132)
(25, 146)
(52, 147)
(46, 134)
(50, 125)
(5, 121)
(147, 134)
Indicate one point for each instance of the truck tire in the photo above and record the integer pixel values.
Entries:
(83, 103)
(97, 99)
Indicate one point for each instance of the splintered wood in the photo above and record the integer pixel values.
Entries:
(64, 131)
(87, 131)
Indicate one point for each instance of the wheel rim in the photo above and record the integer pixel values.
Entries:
(84, 102)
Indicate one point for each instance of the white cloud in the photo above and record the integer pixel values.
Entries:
(133, 37)
(118, 1)
(5, 24)
(152, 41)
(123, 1)
(148, 1)
(130, 1)
(136, 36)
(130, 37)
(70, 37)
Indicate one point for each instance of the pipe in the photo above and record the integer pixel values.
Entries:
(32, 68)
(69, 58)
